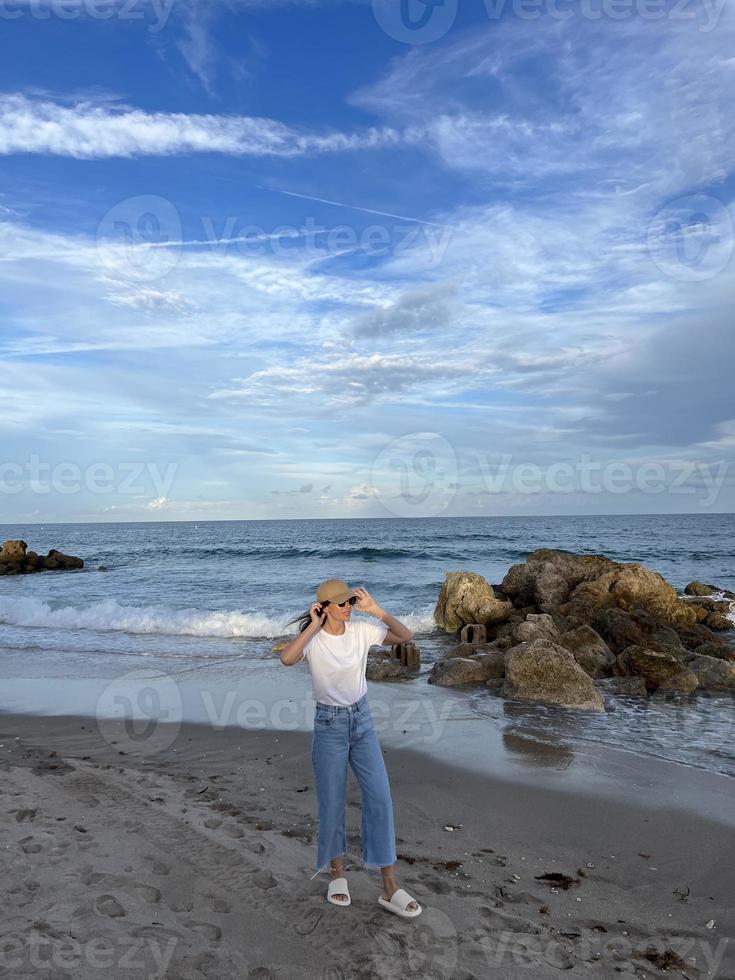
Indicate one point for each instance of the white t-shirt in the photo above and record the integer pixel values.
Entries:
(338, 663)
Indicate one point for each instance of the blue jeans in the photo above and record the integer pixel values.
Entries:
(342, 734)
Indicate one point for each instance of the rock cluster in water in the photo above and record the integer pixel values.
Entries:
(16, 559)
(564, 629)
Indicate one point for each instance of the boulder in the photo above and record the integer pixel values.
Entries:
(550, 588)
(621, 629)
(713, 674)
(544, 672)
(702, 589)
(458, 670)
(468, 598)
(387, 668)
(535, 627)
(494, 663)
(685, 682)
(655, 668)
(13, 552)
(589, 650)
(629, 686)
(715, 650)
(694, 636)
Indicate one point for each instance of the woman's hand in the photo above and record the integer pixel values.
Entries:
(317, 616)
(366, 603)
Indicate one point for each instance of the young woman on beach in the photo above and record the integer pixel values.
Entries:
(336, 649)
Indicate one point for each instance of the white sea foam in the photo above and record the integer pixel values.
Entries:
(111, 615)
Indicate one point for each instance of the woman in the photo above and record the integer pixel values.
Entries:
(336, 649)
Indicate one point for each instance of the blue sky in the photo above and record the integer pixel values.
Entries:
(305, 259)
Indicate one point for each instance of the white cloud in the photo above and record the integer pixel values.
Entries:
(88, 130)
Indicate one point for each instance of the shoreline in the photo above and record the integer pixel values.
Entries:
(204, 849)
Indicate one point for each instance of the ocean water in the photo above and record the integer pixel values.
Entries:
(182, 596)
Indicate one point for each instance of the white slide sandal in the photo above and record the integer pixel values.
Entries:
(398, 902)
(338, 886)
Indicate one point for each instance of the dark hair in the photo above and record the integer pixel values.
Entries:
(304, 619)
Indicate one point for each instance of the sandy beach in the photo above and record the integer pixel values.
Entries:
(194, 862)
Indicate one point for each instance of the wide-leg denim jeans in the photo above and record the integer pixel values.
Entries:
(344, 734)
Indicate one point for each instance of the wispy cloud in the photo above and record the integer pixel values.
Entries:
(87, 131)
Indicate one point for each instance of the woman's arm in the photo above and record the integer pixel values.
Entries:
(397, 632)
(291, 653)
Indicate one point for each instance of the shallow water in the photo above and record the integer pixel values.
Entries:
(205, 600)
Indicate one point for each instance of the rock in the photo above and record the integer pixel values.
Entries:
(694, 636)
(468, 598)
(464, 650)
(13, 552)
(589, 650)
(542, 671)
(630, 686)
(719, 621)
(702, 589)
(713, 674)
(581, 585)
(666, 640)
(550, 588)
(494, 663)
(15, 559)
(458, 670)
(710, 649)
(654, 667)
(387, 668)
(621, 629)
(57, 559)
(535, 627)
(495, 684)
(684, 682)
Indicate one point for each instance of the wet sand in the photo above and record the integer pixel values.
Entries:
(194, 861)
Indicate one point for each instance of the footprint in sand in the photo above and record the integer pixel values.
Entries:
(147, 892)
(24, 815)
(206, 930)
(264, 879)
(29, 846)
(234, 831)
(108, 905)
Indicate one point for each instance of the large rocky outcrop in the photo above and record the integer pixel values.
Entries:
(16, 559)
(581, 587)
(544, 672)
(468, 598)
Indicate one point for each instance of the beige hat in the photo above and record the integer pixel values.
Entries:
(334, 590)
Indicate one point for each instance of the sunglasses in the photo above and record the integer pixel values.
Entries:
(348, 602)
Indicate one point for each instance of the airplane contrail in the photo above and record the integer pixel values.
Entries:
(353, 207)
